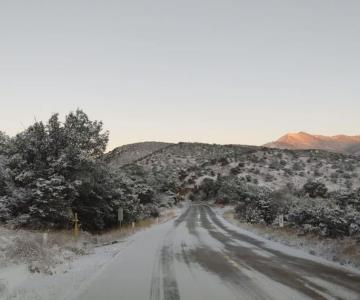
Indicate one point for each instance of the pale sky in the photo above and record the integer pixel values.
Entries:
(210, 71)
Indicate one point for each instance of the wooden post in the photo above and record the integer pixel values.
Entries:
(75, 220)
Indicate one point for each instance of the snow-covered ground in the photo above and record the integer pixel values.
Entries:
(19, 283)
(345, 253)
(195, 256)
(31, 268)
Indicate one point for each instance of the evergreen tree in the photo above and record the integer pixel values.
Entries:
(56, 166)
(4, 142)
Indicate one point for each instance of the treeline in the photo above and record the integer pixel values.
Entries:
(52, 170)
(311, 209)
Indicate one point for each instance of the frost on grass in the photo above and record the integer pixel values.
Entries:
(33, 269)
(40, 252)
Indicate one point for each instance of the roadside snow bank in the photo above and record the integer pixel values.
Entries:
(345, 253)
(34, 266)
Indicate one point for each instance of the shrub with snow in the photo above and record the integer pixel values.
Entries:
(315, 189)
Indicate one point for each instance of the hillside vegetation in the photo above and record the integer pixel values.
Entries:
(316, 191)
(126, 154)
(53, 170)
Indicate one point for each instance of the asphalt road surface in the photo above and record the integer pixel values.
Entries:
(201, 256)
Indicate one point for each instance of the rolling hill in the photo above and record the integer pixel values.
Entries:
(186, 164)
(126, 154)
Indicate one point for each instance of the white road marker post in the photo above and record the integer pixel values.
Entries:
(281, 221)
(120, 215)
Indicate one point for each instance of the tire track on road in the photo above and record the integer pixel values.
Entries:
(170, 286)
(163, 279)
(288, 270)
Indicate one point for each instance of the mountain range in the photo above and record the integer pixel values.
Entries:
(187, 164)
(302, 140)
(343, 144)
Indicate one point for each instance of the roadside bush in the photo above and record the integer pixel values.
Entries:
(209, 188)
(255, 205)
(332, 218)
(248, 213)
(327, 219)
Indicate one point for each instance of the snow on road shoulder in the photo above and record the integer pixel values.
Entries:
(17, 282)
(278, 245)
(66, 278)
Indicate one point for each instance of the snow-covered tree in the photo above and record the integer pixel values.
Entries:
(4, 143)
(57, 165)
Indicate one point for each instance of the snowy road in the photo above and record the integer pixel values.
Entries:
(201, 256)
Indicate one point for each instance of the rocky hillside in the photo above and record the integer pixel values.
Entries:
(126, 154)
(302, 140)
(316, 191)
(187, 164)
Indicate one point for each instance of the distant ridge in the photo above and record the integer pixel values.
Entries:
(302, 140)
(126, 154)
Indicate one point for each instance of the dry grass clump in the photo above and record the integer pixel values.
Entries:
(42, 251)
(114, 235)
